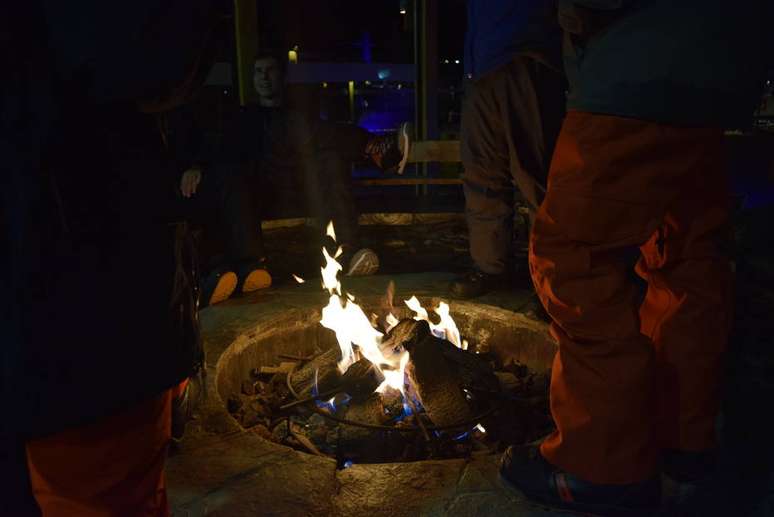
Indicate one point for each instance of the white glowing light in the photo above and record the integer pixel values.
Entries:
(415, 306)
(447, 325)
(330, 273)
(298, 279)
(395, 378)
(391, 321)
(445, 329)
(480, 428)
(330, 232)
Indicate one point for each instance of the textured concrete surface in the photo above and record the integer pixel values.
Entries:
(220, 469)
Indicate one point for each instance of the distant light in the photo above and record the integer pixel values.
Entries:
(402, 10)
(293, 55)
(480, 428)
(456, 61)
(324, 85)
(368, 83)
(348, 464)
(446, 61)
(384, 73)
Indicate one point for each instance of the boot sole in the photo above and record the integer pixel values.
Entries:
(406, 149)
(224, 289)
(256, 280)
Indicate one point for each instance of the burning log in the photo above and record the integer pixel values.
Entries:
(268, 371)
(320, 374)
(438, 383)
(359, 382)
(438, 371)
(357, 443)
(405, 334)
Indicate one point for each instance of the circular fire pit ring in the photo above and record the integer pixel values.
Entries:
(508, 336)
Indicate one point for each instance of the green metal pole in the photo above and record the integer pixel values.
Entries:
(426, 61)
(246, 36)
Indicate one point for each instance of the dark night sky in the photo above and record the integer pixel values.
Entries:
(332, 30)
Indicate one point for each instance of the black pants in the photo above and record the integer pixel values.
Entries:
(510, 122)
(313, 176)
(224, 206)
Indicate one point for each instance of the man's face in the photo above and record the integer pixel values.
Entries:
(267, 78)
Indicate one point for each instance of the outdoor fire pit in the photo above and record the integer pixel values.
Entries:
(365, 381)
(362, 399)
(288, 364)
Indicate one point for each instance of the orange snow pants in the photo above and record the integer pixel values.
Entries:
(633, 377)
(112, 468)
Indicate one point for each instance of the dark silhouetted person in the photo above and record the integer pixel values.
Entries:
(639, 176)
(302, 160)
(99, 325)
(510, 120)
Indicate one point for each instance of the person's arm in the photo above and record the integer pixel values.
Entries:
(189, 148)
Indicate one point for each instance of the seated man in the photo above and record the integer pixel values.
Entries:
(300, 154)
(282, 160)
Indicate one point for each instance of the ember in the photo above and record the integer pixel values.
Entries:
(413, 389)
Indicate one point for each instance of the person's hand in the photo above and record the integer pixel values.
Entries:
(190, 182)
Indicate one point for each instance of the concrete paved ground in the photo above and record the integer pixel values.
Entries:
(222, 470)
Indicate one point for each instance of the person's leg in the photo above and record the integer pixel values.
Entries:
(232, 244)
(226, 207)
(610, 187)
(510, 123)
(328, 181)
(687, 314)
(533, 99)
(348, 140)
(487, 179)
(112, 467)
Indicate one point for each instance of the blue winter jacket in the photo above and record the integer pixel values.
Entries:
(688, 62)
(498, 29)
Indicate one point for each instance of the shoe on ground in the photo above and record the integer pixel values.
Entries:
(364, 262)
(524, 469)
(253, 276)
(218, 286)
(476, 283)
(390, 151)
(684, 475)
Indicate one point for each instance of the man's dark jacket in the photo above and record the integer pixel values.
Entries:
(96, 311)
